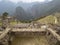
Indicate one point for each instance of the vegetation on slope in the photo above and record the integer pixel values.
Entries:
(47, 19)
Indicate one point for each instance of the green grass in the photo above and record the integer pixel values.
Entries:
(48, 19)
(14, 22)
(0, 23)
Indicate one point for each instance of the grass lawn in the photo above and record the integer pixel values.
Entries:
(14, 22)
(48, 19)
(0, 23)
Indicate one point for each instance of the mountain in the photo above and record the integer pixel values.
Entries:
(7, 6)
(21, 14)
(30, 11)
(39, 10)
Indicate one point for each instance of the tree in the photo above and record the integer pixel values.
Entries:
(4, 16)
(4, 21)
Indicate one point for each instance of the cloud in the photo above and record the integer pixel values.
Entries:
(15, 1)
(27, 0)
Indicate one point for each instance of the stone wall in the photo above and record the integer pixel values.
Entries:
(28, 34)
(52, 40)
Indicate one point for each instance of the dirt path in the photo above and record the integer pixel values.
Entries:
(30, 41)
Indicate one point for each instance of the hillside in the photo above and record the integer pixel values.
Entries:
(50, 19)
(47, 19)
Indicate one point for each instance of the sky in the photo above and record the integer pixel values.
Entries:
(15, 1)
